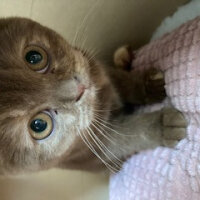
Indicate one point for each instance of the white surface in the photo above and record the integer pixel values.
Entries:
(183, 14)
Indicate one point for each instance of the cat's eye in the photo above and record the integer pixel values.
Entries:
(41, 126)
(36, 58)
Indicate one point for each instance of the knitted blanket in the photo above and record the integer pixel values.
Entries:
(163, 173)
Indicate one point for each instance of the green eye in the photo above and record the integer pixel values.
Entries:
(41, 126)
(36, 58)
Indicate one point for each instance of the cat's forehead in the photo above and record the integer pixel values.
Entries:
(19, 32)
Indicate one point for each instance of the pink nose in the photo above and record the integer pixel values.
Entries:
(81, 90)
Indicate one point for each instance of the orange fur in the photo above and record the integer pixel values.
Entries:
(25, 92)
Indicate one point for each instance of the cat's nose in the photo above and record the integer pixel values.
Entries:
(81, 89)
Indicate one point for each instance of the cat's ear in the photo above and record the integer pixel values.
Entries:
(3, 23)
(2, 166)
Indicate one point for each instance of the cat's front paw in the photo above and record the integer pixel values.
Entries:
(154, 86)
(173, 127)
(123, 57)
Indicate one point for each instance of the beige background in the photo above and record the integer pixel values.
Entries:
(106, 24)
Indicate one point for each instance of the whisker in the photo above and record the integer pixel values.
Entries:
(103, 132)
(102, 110)
(92, 53)
(100, 145)
(98, 104)
(113, 130)
(109, 128)
(99, 128)
(119, 160)
(83, 23)
(99, 117)
(89, 145)
(82, 45)
(109, 137)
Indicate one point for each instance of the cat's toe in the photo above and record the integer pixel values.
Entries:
(123, 57)
(173, 118)
(174, 127)
(174, 133)
(154, 86)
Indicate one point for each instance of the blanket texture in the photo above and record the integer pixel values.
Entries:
(163, 173)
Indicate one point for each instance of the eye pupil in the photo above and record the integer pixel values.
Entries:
(33, 57)
(38, 125)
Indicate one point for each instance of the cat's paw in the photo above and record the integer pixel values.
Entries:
(123, 57)
(154, 86)
(173, 127)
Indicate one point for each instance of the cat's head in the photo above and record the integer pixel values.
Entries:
(48, 95)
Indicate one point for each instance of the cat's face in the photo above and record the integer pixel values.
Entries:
(48, 94)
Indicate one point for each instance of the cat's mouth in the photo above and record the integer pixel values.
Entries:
(85, 95)
(81, 91)
(84, 90)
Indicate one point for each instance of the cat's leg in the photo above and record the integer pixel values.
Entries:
(150, 130)
(123, 57)
(174, 127)
(139, 87)
(136, 86)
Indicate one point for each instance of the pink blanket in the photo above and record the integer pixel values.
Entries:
(162, 173)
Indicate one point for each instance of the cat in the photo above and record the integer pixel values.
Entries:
(62, 108)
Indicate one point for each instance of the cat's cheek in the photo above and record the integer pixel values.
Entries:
(66, 120)
(63, 124)
(85, 118)
(58, 143)
(85, 109)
